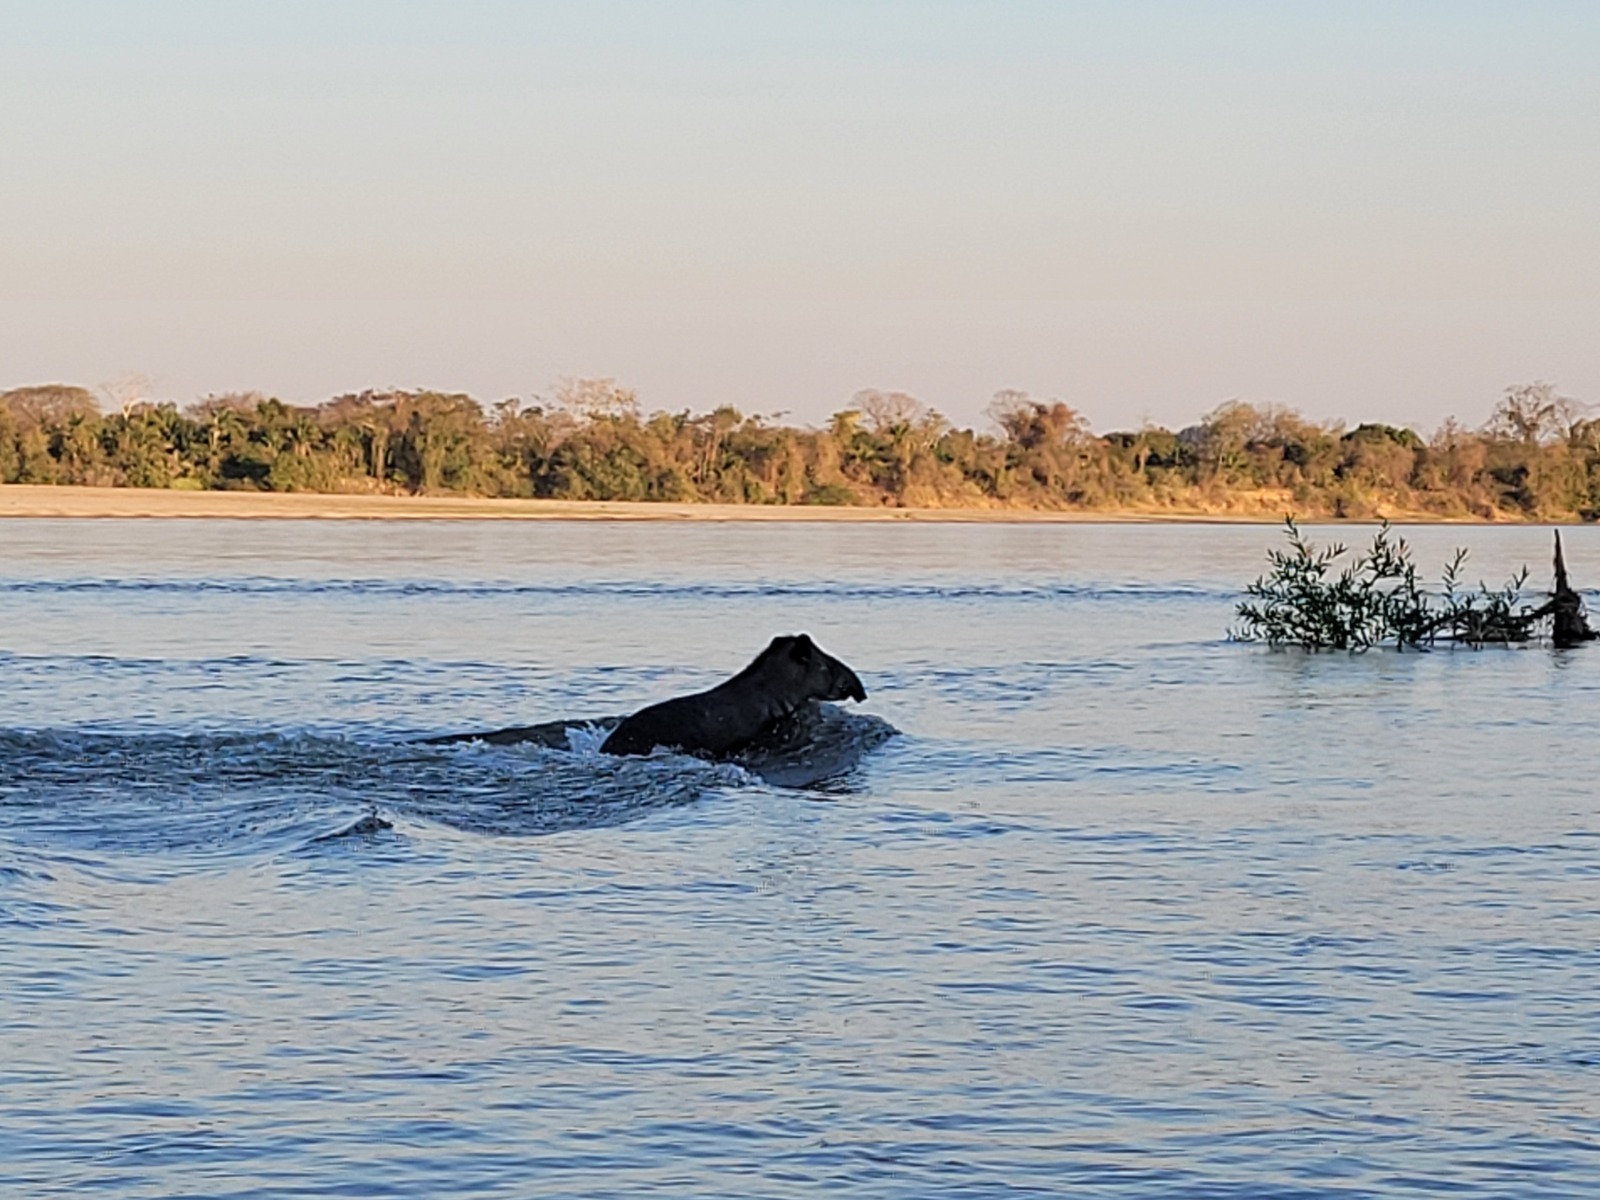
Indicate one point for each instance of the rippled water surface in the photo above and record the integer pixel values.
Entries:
(1126, 909)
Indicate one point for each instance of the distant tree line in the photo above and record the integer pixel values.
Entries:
(1537, 457)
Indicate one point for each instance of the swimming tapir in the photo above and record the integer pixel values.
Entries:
(790, 672)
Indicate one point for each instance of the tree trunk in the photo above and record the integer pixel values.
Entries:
(1571, 628)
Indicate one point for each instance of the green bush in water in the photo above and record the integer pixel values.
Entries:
(1308, 599)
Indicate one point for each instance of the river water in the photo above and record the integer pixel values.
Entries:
(1126, 909)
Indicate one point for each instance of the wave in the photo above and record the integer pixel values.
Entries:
(225, 795)
(230, 794)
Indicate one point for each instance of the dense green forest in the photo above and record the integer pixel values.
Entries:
(1537, 457)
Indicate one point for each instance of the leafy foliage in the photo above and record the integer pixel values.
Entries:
(592, 439)
(1483, 615)
(1309, 599)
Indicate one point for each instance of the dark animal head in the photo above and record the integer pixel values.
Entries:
(811, 672)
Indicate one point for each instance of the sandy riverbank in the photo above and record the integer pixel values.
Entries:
(28, 500)
(25, 500)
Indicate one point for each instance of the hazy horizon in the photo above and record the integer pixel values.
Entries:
(1374, 212)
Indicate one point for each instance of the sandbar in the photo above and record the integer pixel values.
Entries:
(51, 500)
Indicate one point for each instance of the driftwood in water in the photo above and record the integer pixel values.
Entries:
(1569, 624)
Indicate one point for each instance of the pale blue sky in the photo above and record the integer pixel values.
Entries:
(1373, 211)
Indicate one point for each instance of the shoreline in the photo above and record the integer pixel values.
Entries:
(20, 500)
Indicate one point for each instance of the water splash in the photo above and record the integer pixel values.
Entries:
(226, 795)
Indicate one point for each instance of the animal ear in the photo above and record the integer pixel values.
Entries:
(802, 647)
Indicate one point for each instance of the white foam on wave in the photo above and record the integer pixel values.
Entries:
(586, 740)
